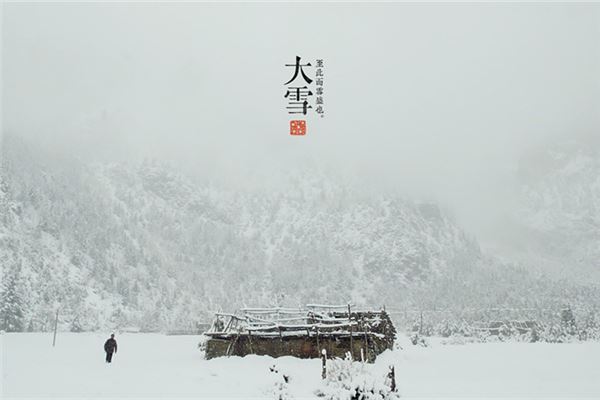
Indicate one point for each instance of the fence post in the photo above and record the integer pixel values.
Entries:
(324, 364)
(351, 334)
(392, 376)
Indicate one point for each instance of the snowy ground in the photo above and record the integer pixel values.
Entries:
(149, 365)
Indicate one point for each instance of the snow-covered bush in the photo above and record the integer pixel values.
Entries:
(351, 380)
(508, 332)
(483, 335)
(417, 339)
(554, 333)
(423, 328)
(447, 328)
(279, 389)
(459, 339)
(589, 328)
(464, 329)
(444, 329)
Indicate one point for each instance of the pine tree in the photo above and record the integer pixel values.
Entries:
(568, 321)
(4, 200)
(11, 303)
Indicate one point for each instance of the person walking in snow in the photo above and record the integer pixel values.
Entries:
(110, 347)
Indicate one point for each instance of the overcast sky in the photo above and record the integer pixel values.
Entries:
(435, 101)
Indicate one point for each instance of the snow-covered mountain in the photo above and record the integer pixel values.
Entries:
(112, 245)
(142, 244)
(560, 209)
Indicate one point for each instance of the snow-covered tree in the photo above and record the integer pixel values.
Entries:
(11, 302)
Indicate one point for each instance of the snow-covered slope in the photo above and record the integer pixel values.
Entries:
(141, 244)
(560, 209)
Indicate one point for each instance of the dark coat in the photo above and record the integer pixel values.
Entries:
(110, 346)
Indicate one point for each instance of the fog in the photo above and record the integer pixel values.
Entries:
(434, 101)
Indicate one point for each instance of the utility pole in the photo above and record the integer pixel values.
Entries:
(55, 328)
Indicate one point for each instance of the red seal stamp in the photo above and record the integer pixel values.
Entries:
(297, 127)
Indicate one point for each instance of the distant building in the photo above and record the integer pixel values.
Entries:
(495, 328)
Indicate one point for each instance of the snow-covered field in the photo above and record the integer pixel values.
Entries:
(152, 365)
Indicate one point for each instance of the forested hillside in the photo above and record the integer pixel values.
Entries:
(112, 245)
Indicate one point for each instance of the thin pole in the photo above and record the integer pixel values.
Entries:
(324, 365)
(351, 343)
(392, 376)
(55, 328)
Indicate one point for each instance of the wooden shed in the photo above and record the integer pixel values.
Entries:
(301, 332)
